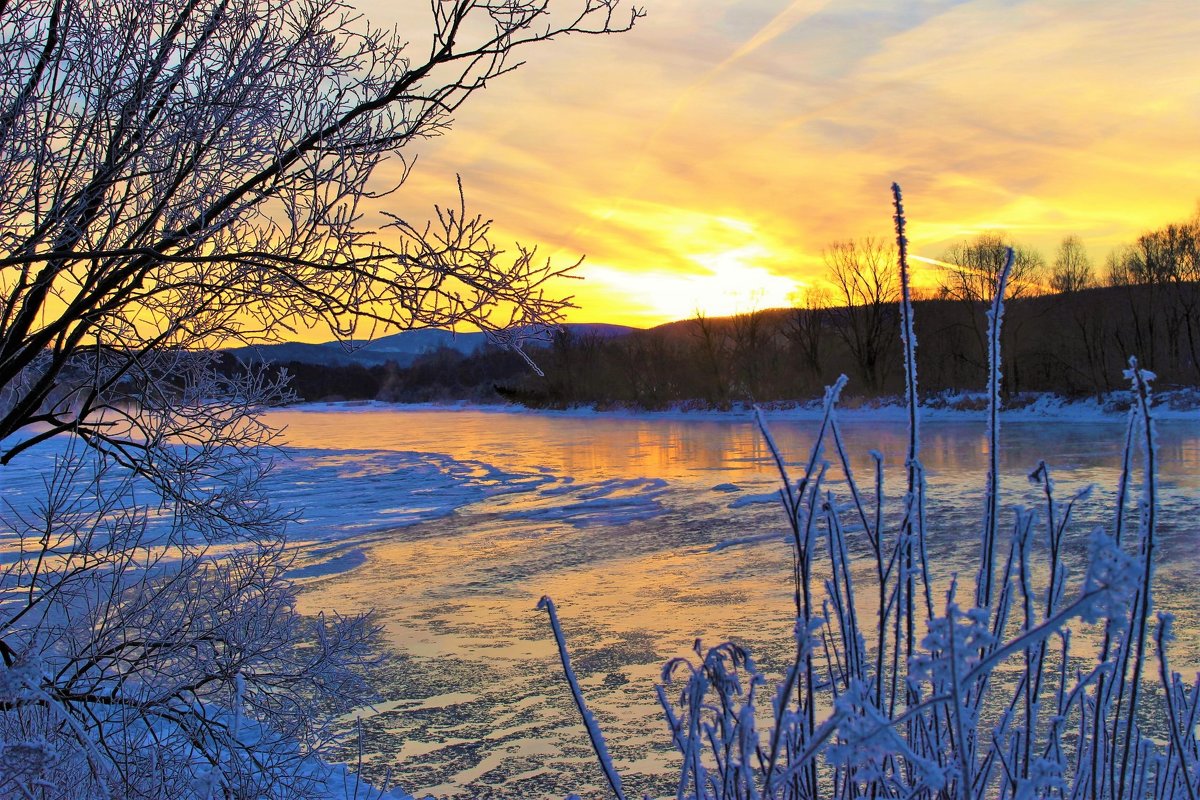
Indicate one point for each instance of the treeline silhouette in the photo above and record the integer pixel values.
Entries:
(1066, 331)
(441, 375)
(1072, 344)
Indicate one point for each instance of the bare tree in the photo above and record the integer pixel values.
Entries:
(1161, 273)
(752, 351)
(713, 342)
(646, 361)
(1071, 273)
(975, 266)
(1117, 267)
(177, 174)
(971, 275)
(867, 289)
(806, 332)
(1170, 258)
(1072, 268)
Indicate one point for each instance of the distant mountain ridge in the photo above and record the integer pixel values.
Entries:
(401, 348)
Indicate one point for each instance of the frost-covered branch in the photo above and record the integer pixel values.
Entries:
(589, 721)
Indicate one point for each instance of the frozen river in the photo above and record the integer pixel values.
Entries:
(452, 523)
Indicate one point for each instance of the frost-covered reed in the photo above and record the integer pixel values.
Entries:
(929, 699)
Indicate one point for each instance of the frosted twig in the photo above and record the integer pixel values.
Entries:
(593, 729)
(991, 519)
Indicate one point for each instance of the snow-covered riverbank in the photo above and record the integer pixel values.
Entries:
(1173, 404)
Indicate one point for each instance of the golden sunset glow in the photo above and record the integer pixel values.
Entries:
(702, 161)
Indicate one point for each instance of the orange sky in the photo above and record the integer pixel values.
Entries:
(703, 160)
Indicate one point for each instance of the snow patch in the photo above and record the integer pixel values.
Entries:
(609, 502)
(755, 499)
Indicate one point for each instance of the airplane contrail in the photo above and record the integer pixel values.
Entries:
(796, 12)
(934, 261)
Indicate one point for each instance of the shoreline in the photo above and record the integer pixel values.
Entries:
(1181, 404)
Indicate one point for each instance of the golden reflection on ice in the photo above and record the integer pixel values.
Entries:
(473, 697)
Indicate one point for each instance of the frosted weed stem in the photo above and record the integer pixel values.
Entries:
(593, 729)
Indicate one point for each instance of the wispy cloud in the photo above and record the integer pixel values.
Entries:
(1043, 118)
(786, 20)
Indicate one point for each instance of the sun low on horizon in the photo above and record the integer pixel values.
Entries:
(703, 161)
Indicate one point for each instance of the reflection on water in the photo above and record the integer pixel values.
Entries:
(616, 518)
(638, 447)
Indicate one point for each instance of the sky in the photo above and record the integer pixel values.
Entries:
(702, 161)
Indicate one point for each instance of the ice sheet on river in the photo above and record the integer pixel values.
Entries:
(346, 492)
(346, 498)
(354, 498)
(606, 502)
(337, 493)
